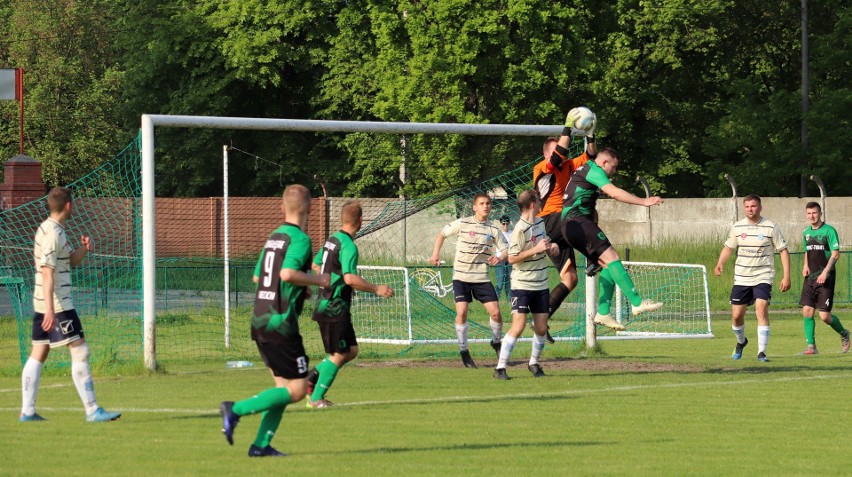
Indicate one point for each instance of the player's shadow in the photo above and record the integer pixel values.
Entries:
(469, 447)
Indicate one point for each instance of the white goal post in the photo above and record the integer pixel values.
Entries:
(151, 121)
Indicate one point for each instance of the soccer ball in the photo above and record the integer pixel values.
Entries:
(581, 118)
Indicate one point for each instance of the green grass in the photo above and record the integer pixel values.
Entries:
(680, 407)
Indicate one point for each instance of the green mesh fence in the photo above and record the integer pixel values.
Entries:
(107, 285)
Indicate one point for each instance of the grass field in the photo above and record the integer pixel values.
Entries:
(679, 407)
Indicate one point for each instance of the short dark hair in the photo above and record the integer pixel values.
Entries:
(57, 198)
(813, 205)
(480, 196)
(505, 219)
(527, 198)
(609, 152)
(752, 197)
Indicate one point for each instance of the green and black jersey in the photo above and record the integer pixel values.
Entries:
(818, 245)
(277, 304)
(582, 191)
(337, 257)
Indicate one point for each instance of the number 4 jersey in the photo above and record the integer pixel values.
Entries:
(277, 304)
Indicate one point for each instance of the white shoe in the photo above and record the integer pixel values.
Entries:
(647, 305)
(606, 320)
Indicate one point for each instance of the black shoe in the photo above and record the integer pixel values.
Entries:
(467, 360)
(762, 357)
(548, 337)
(497, 347)
(536, 370)
(592, 269)
(229, 420)
(500, 373)
(738, 351)
(268, 451)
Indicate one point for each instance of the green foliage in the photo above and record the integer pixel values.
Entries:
(686, 90)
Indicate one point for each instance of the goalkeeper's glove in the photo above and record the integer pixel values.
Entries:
(590, 133)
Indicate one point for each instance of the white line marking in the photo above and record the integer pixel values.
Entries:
(490, 397)
(46, 386)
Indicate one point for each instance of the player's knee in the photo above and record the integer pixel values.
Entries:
(297, 389)
(352, 354)
(79, 353)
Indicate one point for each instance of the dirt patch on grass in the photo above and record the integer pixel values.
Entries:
(576, 364)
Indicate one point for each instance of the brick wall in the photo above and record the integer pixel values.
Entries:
(195, 227)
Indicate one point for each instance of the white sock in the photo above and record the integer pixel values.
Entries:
(537, 347)
(30, 378)
(85, 386)
(496, 330)
(506, 351)
(461, 333)
(762, 338)
(739, 331)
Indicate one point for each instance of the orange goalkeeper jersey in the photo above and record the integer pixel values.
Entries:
(550, 182)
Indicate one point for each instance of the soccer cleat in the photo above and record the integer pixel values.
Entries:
(844, 341)
(500, 373)
(646, 306)
(319, 403)
(268, 451)
(606, 320)
(496, 346)
(467, 360)
(536, 370)
(762, 357)
(34, 417)
(592, 269)
(738, 351)
(229, 420)
(548, 337)
(102, 415)
(313, 377)
(810, 350)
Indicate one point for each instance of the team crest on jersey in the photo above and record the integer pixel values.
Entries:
(472, 233)
(743, 235)
(533, 239)
(488, 237)
(761, 236)
(807, 236)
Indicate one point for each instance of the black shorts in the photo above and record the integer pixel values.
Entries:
(745, 295)
(337, 336)
(818, 296)
(553, 228)
(585, 236)
(530, 301)
(66, 330)
(286, 360)
(466, 292)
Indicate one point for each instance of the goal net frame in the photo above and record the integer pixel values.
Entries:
(149, 123)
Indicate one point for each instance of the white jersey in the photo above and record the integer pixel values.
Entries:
(52, 250)
(531, 274)
(755, 245)
(476, 243)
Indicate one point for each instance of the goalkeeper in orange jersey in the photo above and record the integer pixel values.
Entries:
(550, 176)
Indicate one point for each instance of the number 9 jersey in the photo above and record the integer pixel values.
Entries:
(277, 303)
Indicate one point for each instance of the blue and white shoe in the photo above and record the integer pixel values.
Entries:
(229, 420)
(268, 451)
(102, 415)
(34, 417)
(762, 357)
(738, 351)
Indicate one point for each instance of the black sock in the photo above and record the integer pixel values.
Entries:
(557, 296)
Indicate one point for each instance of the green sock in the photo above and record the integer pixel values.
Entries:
(810, 324)
(836, 325)
(273, 397)
(606, 287)
(268, 425)
(622, 279)
(327, 372)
